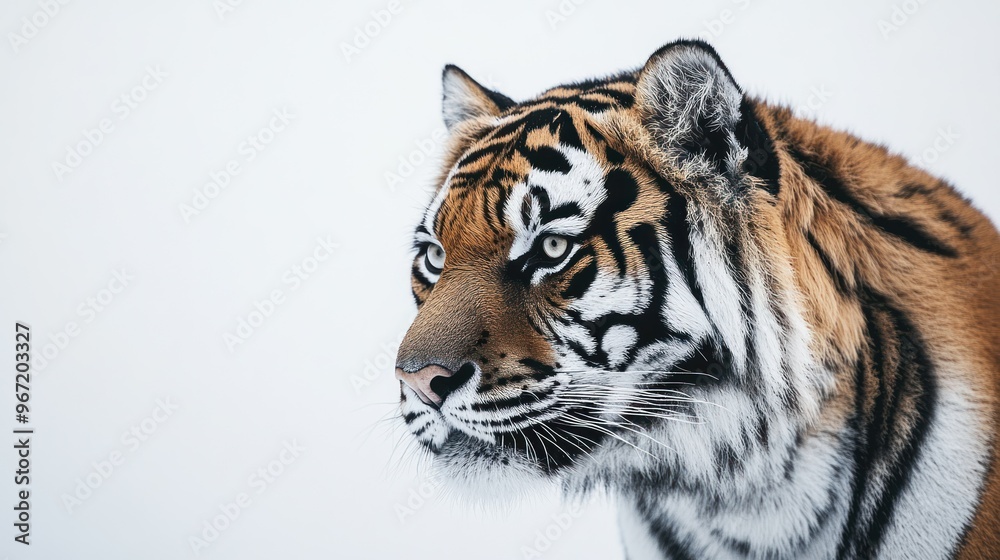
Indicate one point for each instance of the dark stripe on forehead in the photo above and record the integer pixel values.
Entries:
(543, 197)
(544, 158)
(496, 152)
(557, 121)
(484, 165)
(530, 120)
(613, 156)
(526, 211)
(595, 133)
(539, 194)
(591, 105)
(593, 101)
(570, 209)
(502, 141)
(568, 134)
(480, 153)
(624, 99)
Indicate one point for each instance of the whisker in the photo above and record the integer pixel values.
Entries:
(645, 371)
(640, 433)
(588, 423)
(684, 419)
(556, 435)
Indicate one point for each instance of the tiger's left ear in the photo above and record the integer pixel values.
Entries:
(465, 98)
(698, 116)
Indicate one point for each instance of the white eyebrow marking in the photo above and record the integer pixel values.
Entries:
(583, 185)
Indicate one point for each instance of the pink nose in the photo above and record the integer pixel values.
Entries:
(420, 382)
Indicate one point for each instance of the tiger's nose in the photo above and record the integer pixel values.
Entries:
(434, 383)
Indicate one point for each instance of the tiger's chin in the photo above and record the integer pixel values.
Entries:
(486, 474)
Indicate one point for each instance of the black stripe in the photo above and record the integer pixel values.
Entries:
(581, 281)
(595, 133)
(613, 155)
(896, 226)
(622, 98)
(954, 221)
(543, 199)
(466, 178)
(532, 119)
(914, 234)
(480, 153)
(500, 176)
(867, 372)
(762, 160)
(526, 211)
(545, 158)
(919, 375)
(651, 325)
(541, 371)
(622, 192)
(500, 204)
(568, 134)
(421, 430)
(420, 277)
(737, 263)
(522, 399)
(890, 437)
(567, 210)
(610, 237)
(839, 281)
(590, 105)
(679, 230)
(666, 537)
(491, 220)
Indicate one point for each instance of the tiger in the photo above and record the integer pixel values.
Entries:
(761, 337)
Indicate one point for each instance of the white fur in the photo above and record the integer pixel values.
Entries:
(941, 497)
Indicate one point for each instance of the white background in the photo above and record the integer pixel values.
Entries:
(325, 174)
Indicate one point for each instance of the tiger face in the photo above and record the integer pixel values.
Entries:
(580, 281)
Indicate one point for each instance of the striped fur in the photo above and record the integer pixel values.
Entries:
(768, 339)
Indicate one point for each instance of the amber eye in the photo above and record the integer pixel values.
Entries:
(434, 258)
(555, 247)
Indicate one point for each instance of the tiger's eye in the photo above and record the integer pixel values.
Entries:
(435, 258)
(555, 246)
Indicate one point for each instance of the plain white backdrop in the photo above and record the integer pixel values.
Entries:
(150, 418)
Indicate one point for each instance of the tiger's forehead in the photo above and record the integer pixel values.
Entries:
(542, 160)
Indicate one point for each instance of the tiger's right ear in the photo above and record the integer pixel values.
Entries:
(465, 98)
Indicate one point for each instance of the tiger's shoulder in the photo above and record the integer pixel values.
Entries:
(863, 220)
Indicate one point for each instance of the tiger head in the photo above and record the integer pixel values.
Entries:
(600, 284)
